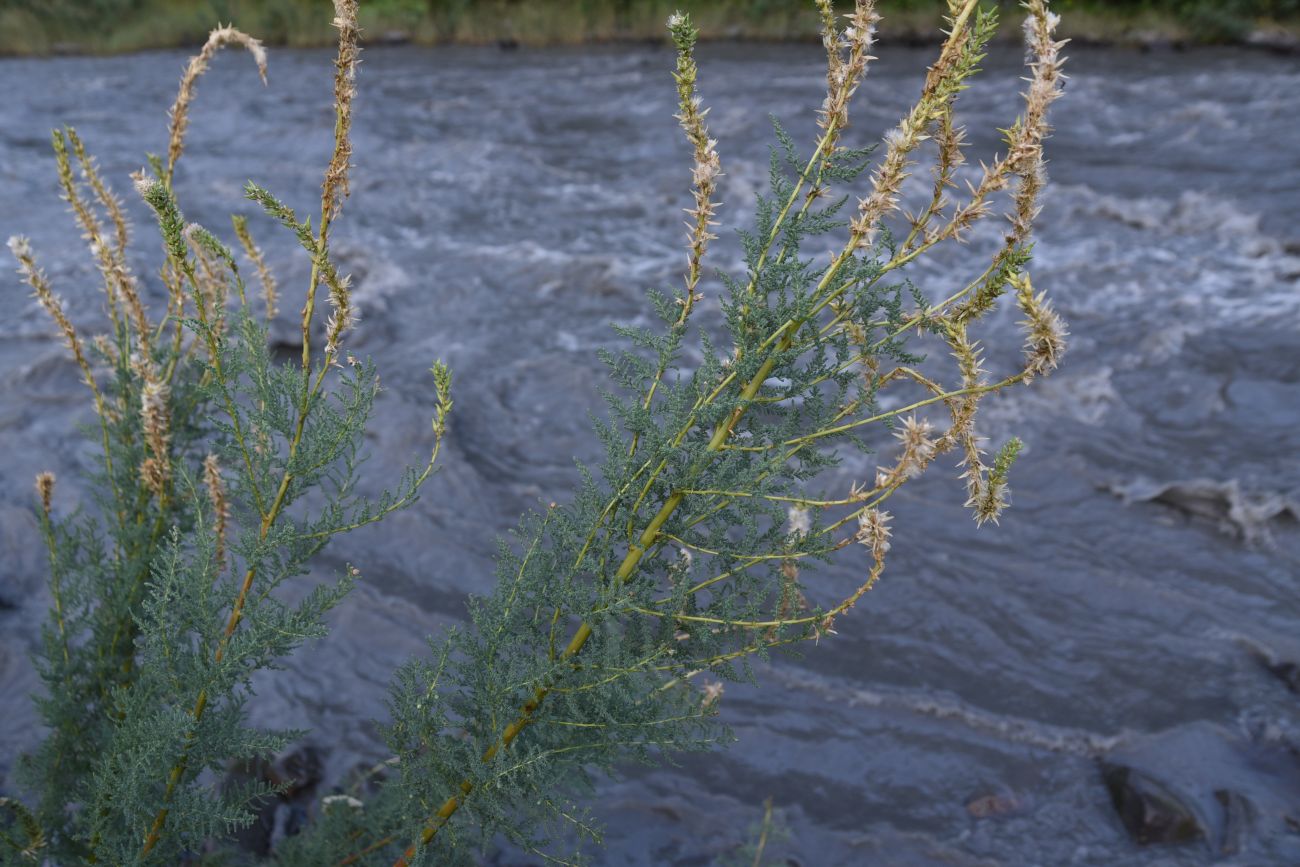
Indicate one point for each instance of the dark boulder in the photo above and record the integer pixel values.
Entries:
(297, 774)
(1203, 784)
(1150, 811)
(1288, 673)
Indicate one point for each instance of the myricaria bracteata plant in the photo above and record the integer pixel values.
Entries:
(223, 473)
(619, 613)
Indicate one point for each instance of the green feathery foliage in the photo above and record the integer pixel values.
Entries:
(617, 615)
(681, 554)
(224, 472)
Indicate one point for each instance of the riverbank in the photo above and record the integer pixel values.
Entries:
(35, 28)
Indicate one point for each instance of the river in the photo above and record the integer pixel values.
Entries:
(1137, 607)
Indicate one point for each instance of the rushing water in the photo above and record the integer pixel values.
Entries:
(1135, 606)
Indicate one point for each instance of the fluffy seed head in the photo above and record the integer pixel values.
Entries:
(1045, 331)
(220, 507)
(919, 447)
(873, 532)
(53, 304)
(45, 490)
(799, 521)
(335, 187)
(254, 254)
(155, 420)
(180, 111)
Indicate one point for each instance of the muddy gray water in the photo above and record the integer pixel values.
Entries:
(507, 207)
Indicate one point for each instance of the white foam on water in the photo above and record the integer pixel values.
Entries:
(1189, 264)
(1057, 739)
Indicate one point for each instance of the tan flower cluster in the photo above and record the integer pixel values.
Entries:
(942, 82)
(119, 284)
(707, 167)
(1024, 157)
(343, 314)
(155, 421)
(254, 254)
(919, 447)
(847, 54)
(45, 490)
(216, 487)
(873, 532)
(335, 188)
(53, 304)
(180, 111)
(211, 278)
(1045, 331)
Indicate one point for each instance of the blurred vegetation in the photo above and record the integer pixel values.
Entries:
(1203, 20)
(107, 26)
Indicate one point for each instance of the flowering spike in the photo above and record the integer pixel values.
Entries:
(45, 491)
(180, 111)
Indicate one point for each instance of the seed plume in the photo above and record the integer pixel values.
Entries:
(53, 304)
(255, 255)
(216, 488)
(335, 189)
(180, 111)
(45, 490)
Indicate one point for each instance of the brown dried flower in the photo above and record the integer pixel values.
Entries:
(180, 111)
(45, 490)
(254, 254)
(220, 507)
(1045, 331)
(335, 188)
(873, 532)
(155, 420)
(35, 277)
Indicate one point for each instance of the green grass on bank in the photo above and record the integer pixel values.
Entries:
(34, 27)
